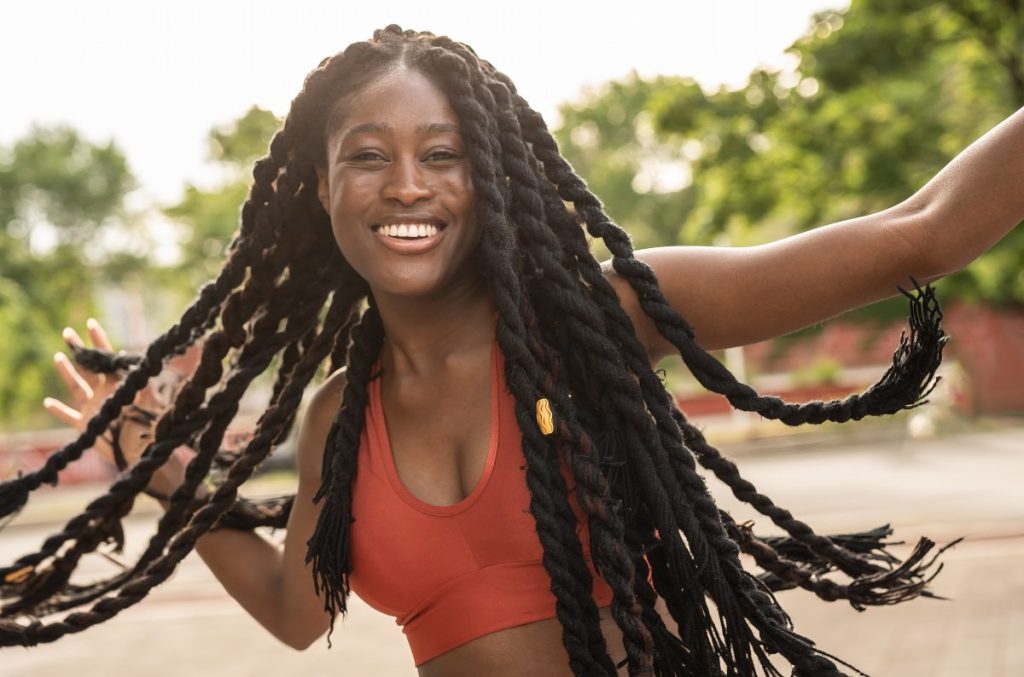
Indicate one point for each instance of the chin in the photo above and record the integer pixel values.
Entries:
(412, 288)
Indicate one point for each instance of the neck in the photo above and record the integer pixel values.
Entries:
(424, 334)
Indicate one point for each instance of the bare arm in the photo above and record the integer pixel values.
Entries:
(273, 583)
(735, 296)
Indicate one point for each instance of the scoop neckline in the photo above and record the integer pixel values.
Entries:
(380, 423)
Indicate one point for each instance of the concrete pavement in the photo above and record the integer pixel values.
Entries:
(963, 485)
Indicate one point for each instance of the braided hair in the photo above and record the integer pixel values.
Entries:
(656, 533)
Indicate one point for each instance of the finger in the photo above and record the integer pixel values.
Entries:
(77, 385)
(98, 335)
(62, 411)
(73, 340)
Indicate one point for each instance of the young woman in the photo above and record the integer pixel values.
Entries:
(496, 465)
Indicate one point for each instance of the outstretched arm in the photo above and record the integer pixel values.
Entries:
(740, 295)
(272, 583)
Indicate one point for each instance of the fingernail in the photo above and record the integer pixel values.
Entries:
(91, 323)
(47, 401)
(57, 357)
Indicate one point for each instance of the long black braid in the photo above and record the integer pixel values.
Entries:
(655, 531)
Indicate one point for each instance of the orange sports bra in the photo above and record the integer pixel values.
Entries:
(450, 574)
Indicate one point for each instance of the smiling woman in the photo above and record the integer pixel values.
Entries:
(497, 464)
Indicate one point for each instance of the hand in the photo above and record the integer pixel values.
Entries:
(89, 390)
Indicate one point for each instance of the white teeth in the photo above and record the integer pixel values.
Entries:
(409, 230)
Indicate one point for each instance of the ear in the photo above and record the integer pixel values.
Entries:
(323, 188)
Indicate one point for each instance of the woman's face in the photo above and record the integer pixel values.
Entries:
(398, 188)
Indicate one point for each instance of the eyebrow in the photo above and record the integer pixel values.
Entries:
(378, 128)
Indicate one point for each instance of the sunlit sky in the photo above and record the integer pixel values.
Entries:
(156, 77)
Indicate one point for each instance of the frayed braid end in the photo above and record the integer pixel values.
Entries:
(911, 378)
(905, 384)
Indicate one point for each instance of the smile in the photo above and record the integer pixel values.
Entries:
(410, 238)
(407, 230)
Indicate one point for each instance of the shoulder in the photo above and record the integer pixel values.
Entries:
(644, 327)
(708, 286)
(316, 423)
(327, 397)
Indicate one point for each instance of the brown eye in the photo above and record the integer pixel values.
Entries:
(443, 156)
(367, 156)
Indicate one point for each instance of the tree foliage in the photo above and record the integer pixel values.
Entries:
(60, 196)
(65, 235)
(611, 140)
(210, 216)
(877, 99)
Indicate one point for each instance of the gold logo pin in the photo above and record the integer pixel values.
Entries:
(545, 420)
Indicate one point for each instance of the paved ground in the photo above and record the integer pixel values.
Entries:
(965, 485)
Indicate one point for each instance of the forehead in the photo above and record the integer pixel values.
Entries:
(402, 100)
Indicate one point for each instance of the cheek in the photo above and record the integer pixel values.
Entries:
(343, 225)
(346, 209)
(461, 187)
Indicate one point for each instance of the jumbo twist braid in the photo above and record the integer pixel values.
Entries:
(563, 557)
(496, 244)
(624, 606)
(640, 372)
(605, 524)
(608, 556)
(118, 501)
(729, 548)
(293, 354)
(711, 522)
(99, 589)
(852, 563)
(904, 385)
(606, 527)
(256, 354)
(82, 545)
(50, 581)
(328, 548)
(14, 493)
(860, 593)
(723, 546)
(37, 632)
(287, 375)
(340, 351)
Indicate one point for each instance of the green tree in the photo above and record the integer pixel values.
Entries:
(610, 139)
(210, 217)
(881, 96)
(60, 215)
(884, 94)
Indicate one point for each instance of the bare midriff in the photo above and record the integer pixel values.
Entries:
(533, 649)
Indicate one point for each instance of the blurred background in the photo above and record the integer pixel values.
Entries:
(126, 139)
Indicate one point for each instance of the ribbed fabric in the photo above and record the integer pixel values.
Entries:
(450, 574)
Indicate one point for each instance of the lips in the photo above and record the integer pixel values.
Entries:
(408, 230)
(407, 235)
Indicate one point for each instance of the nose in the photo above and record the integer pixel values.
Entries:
(406, 182)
